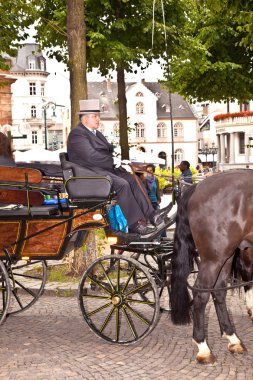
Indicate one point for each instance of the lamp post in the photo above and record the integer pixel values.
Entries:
(213, 150)
(205, 151)
(45, 107)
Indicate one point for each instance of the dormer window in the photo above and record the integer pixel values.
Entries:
(139, 94)
(158, 94)
(181, 107)
(31, 64)
(42, 65)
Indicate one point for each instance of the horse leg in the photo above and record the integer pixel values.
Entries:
(227, 330)
(204, 355)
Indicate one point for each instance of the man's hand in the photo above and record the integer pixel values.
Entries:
(116, 162)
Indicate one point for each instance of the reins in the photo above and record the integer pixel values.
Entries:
(220, 289)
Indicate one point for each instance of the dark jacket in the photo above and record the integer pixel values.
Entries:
(86, 149)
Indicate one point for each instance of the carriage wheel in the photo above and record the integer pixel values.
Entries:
(5, 289)
(27, 279)
(111, 301)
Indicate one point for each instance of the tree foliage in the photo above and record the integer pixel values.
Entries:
(15, 18)
(214, 58)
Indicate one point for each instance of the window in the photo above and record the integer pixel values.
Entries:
(42, 65)
(178, 129)
(33, 112)
(139, 108)
(242, 143)
(42, 89)
(140, 130)
(31, 64)
(32, 86)
(244, 106)
(34, 137)
(139, 94)
(161, 130)
(179, 156)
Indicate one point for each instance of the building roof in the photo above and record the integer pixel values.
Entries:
(180, 107)
(21, 61)
(107, 92)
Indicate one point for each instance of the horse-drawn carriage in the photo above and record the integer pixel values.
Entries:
(121, 294)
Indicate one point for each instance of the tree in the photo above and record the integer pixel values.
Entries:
(214, 60)
(118, 35)
(15, 18)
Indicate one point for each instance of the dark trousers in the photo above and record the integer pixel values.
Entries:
(131, 196)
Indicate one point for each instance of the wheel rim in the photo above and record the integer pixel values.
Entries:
(27, 280)
(5, 292)
(111, 301)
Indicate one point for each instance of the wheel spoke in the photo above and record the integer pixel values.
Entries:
(98, 283)
(138, 315)
(108, 318)
(99, 309)
(108, 278)
(151, 303)
(17, 299)
(130, 324)
(26, 289)
(26, 276)
(117, 324)
(137, 288)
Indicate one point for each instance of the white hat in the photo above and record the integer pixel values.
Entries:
(89, 106)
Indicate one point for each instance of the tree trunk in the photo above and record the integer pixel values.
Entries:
(80, 258)
(76, 32)
(122, 114)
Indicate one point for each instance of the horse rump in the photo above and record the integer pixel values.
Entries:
(182, 263)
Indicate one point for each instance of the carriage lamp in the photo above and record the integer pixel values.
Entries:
(112, 240)
(97, 217)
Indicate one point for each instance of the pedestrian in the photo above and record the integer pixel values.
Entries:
(88, 147)
(152, 185)
(186, 175)
(6, 154)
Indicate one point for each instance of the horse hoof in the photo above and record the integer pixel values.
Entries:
(249, 312)
(237, 348)
(206, 359)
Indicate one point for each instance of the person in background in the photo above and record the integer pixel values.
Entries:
(186, 175)
(6, 154)
(151, 183)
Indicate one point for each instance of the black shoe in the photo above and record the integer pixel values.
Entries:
(142, 229)
(160, 214)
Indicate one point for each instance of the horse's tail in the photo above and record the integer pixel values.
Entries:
(182, 260)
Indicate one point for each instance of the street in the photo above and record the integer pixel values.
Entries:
(51, 341)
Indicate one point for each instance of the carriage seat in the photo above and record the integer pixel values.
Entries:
(85, 188)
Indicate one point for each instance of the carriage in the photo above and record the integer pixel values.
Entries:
(121, 295)
(34, 230)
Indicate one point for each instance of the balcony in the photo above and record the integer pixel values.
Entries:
(236, 119)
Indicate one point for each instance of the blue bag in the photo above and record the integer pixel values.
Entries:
(117, 219)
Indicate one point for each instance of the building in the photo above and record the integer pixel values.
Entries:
(230, 127)
(150, 119)
(6, 80)
(33, 122)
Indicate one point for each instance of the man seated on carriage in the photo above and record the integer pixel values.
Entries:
(88, 147)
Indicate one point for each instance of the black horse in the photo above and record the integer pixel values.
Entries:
(214, 219)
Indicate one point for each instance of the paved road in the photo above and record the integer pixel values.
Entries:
(50, 341)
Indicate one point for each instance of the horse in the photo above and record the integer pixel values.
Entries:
(214, 220)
